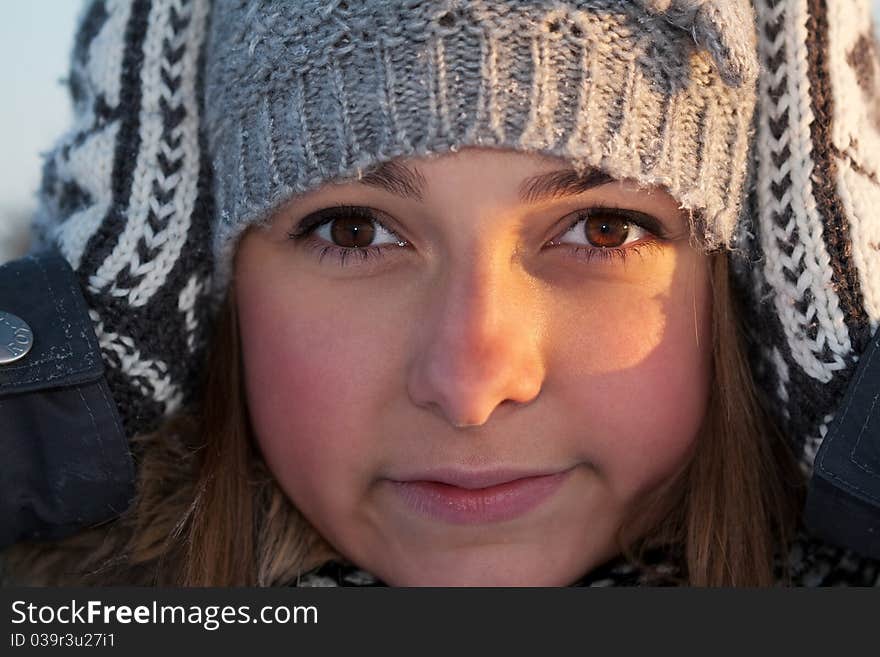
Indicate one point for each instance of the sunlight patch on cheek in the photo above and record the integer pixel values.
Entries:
(641, 416)
(615, 323)
(615, 339)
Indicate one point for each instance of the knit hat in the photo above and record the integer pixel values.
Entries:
(188, 130)
(126, 197)
(811, 231)
(302, 92)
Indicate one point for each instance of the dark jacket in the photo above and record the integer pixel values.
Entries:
(65, 459)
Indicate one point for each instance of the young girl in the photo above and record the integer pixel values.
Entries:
(479, 284)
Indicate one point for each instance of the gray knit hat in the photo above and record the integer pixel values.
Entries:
(298, 93)
(194, 120)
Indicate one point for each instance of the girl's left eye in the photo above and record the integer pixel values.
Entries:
(605, 233)
(602, 228)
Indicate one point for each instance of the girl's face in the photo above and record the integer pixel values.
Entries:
(462, 379)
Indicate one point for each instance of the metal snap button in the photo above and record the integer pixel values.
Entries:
(16, 338)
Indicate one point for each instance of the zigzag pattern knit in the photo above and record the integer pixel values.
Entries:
(126, 197)
(813, 233)
(656, 90)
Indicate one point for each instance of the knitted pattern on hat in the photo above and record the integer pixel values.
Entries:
(301, 93)
(813, 272)
(126, 197)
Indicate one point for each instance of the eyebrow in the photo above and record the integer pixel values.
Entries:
(560, 184)
(397, 179)
(400, 180)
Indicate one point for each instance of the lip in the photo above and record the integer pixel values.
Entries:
(468, 498)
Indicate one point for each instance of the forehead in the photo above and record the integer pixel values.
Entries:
(536, 177)
(512, 176)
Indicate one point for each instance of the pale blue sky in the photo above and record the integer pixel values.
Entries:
(35, 40)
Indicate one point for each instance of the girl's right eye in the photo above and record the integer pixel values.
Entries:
(346, 231)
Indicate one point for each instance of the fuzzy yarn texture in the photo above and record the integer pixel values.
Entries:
(301, 93)
(126, 197)
(193, 120)
(811, 229)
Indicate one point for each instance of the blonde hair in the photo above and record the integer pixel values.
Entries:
(208, 512)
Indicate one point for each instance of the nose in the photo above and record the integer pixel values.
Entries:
(481, 346)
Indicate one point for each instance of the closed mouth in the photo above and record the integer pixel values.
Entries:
(473, 498)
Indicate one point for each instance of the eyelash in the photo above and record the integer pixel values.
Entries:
(304, 231)
(651, 226)
(317, 219)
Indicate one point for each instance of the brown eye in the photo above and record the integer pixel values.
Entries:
(346, 229)
(606, 231)
(352, 232)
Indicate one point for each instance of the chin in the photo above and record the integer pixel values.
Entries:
(484, 569)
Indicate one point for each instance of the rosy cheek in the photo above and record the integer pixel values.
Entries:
(667, 402)
(305, 393)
